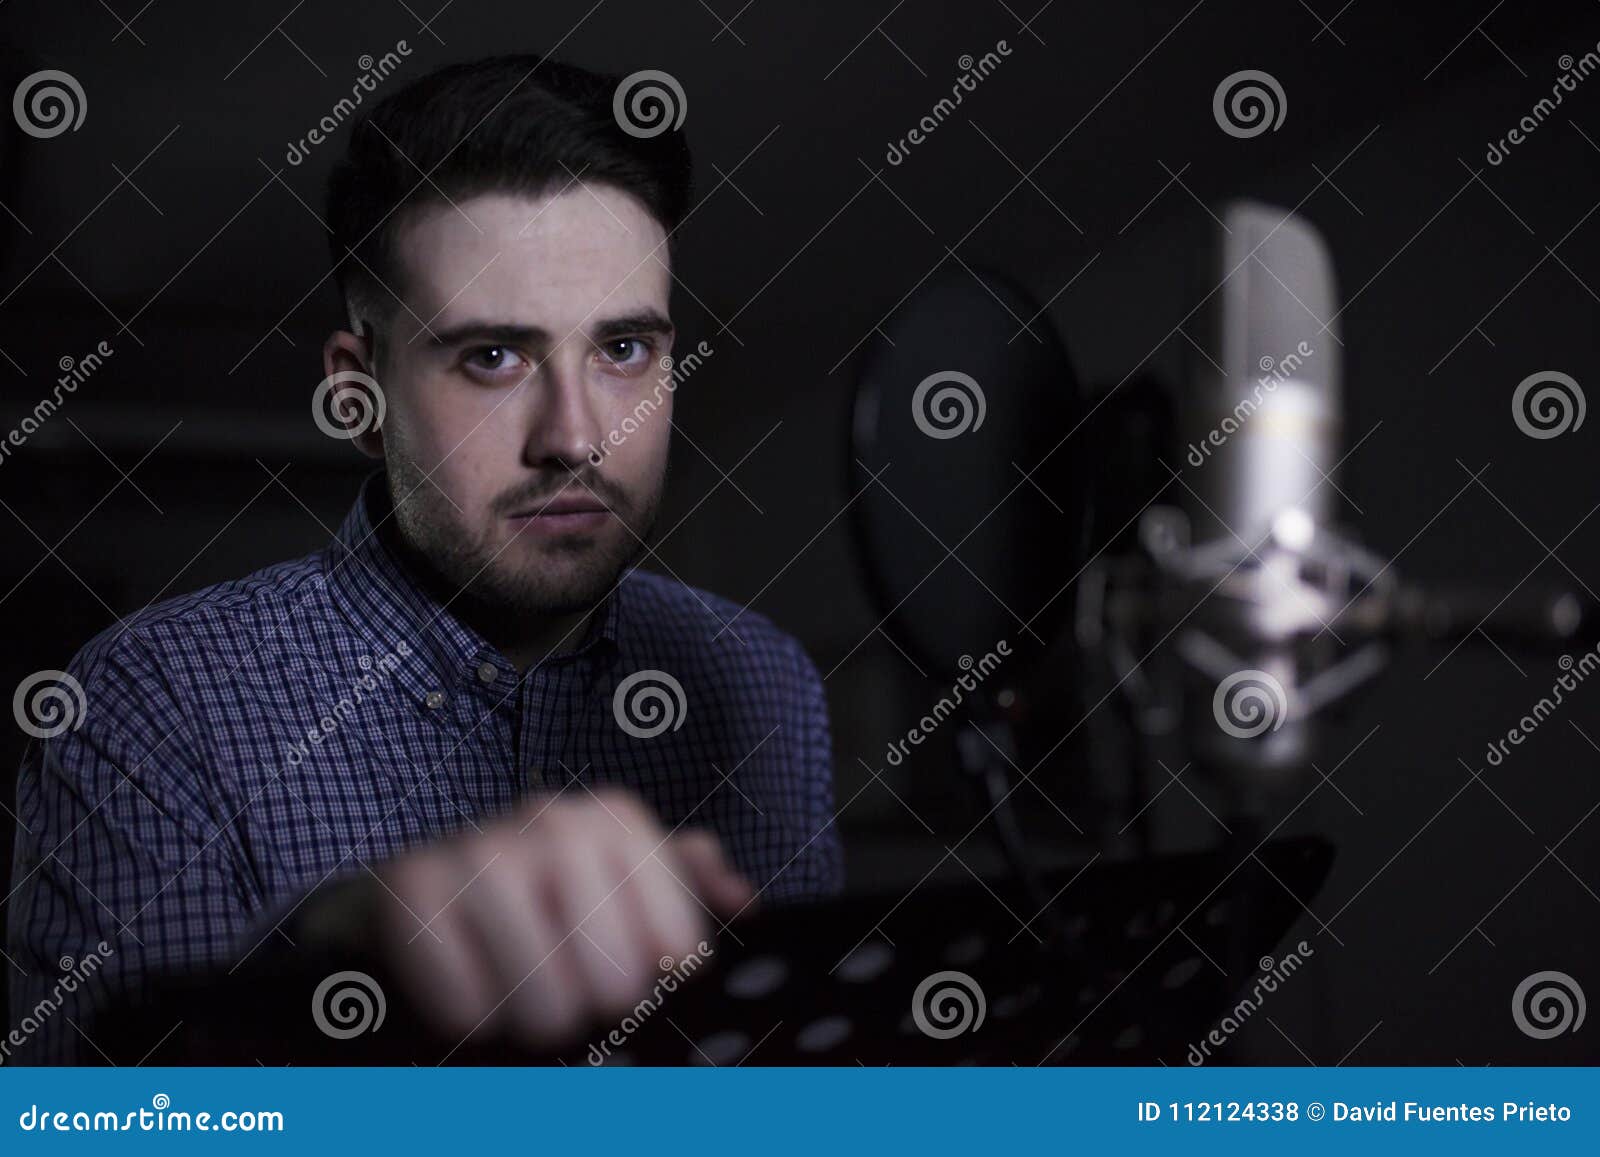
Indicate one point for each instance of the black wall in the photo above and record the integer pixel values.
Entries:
(171, 226)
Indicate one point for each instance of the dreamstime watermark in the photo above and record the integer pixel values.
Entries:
(1576, 672)
(1273, 374)
(159, 1118)
(676, 972)
(371, 666)
(648, 703)
(972, 72)
(1249, 103)
(975, 673)
(948, 1004)
(1548, 404)
(348, 404)
(648, 103)
(75, 974)
(1548, 1004)
(372, 72)
(676, 371)
(74, 372)
(948, 404)
(1273, 973)
(49, 103)
(1248, 703)
(347, 1004)
(1572, 71)
(48, 703)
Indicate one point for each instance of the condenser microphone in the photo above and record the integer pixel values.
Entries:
(1260, 415)
(1283, 615)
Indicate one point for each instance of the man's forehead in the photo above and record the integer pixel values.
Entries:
(583, 253)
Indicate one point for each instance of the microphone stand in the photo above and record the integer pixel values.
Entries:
(985, 749)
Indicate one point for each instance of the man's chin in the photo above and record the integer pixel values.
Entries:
(560, 577)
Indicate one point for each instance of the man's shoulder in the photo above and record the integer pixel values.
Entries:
(667, 618)
(216, 623)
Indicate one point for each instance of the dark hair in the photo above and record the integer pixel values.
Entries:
(525, 124)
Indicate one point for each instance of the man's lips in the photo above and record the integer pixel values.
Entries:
(562, 505)
(560, 515)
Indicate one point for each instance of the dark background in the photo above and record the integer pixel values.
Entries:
(172, 227)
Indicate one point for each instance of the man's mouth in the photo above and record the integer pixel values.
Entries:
(562, 514)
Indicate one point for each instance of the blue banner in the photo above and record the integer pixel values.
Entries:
(804, 1111)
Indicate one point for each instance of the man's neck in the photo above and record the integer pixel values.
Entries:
(526, 640)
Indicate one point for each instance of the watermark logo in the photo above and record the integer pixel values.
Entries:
(974, 674)
(675, 372)
(1572, 73)
(675, 972)
(155, 1119)
(348, 404)
(48, 703)
(648, 703)
(1274, 372)
(972, 72)
(948, 1004)
(948, 404)
(1548, 404)
(1273, 974)
(1573, 673)
(1249, 103)
(372, 72)
(74, 372)
(348, 1004)
(1548, 1004)
(343, 709)
(1248, 703)
(649, 103)
(75, 974)
(49, 103)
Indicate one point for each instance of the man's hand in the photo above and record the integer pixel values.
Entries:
(559, 915)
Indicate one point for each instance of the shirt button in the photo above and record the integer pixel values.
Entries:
(487, 672)
(434, 701)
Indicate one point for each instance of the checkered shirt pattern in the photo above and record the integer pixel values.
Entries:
(249, 742)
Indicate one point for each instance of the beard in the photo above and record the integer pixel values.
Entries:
(522, 575)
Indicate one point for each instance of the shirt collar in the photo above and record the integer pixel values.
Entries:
(383, 599)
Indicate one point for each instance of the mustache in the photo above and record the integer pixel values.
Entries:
(586, 483)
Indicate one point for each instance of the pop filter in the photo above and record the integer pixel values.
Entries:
(968, 503)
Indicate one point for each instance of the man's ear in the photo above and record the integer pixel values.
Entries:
(350, 403)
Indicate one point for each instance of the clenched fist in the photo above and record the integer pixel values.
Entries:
(551, 918)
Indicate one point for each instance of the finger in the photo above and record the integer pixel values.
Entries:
(433, 957)
(534, 993)
(605, 954)
(665, 909)
(707, 870)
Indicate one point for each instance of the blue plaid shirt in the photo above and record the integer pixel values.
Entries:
(244, 744)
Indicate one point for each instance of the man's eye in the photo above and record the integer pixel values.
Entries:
(491, 359)
(625, 352)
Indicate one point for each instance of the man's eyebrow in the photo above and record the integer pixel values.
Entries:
(645, 322)
(510, 333)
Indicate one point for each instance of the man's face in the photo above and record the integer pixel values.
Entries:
(531, 339)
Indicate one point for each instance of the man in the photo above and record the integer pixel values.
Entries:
(466, 730)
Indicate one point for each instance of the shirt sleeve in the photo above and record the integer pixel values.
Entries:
(120, 869)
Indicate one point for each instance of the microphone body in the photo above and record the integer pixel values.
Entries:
(1261, 410)
(1241, 614)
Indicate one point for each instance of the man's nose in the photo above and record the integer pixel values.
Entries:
(564, 424)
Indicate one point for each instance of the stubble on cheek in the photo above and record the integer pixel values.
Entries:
(480, 550)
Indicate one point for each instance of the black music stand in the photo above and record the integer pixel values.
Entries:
(833, 983)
